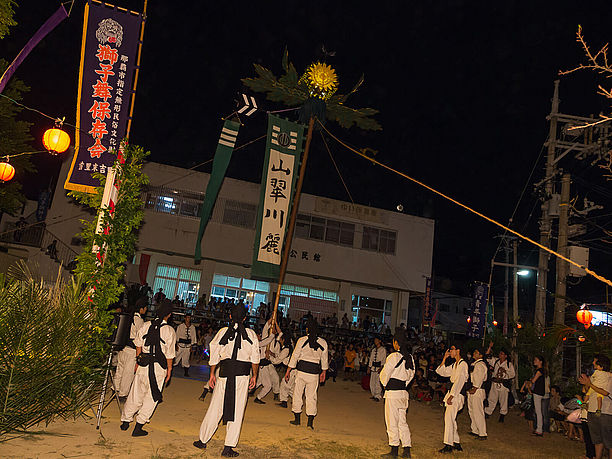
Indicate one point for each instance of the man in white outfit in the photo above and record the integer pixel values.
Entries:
(476, 396)
(395, 376)
(185, 338)
(501, 382)
(454, 398)
(282, 358)
(155, 343)
(235, 350)
(265, 379)
(378, 355)
(310, 360)
(126, 359)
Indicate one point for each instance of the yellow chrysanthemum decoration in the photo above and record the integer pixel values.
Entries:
(321, 80)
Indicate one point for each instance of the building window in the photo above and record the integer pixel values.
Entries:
(296, 290)
(380, 240)
(237, 288)
(175, 202)
(443, 307)
(322, 229)
(177, 281)
(240, 214)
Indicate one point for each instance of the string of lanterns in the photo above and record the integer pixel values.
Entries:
(55, 141)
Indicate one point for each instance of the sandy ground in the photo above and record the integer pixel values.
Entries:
(349, 425)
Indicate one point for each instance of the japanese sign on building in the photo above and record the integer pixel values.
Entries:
(108, 65)
(283, 151)
(478, 311)
(427, 306)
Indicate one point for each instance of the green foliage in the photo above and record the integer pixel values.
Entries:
(14, 138)
(6, 16)
(47, 368)
(287, 90)
(121, 239)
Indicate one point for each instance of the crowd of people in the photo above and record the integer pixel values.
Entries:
(291, 359)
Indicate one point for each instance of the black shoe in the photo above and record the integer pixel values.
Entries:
(501, 418)
(186, 372)
(276, 397)
(473, 434)
(204, 394)
(138, 432)
(487, 416)
(122, 398)
(377, 400)
(406, 452)
(169, 381)
(483, 437)
(296, 421)
(229, 452)
(457, 447)
(124, 425)
(393, 453)
(446, 449)
(282, 404)
(311, 422)
(199, 444)
(261, 402)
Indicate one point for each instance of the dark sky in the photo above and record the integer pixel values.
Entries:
(463, 88)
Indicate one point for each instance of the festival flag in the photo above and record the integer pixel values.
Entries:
(283, 153)
(478, 311)
(41, 33)
(427, 309)
(225, 147)
(109, 66)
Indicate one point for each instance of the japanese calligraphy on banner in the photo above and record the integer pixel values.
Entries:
(478, 312)
(111, 38)
(427, 306)
(283, 152)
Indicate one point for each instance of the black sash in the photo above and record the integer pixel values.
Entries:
(184, 341)
(234, 367)
(130, 343)
(376, 364)
(153, 340)
(396, 384)
(264, 363)
(308, 367)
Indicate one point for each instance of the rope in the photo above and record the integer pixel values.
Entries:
(469, 209)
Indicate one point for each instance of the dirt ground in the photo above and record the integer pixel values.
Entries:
(349, 425)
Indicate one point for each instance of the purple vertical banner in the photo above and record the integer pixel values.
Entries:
(109, 55)
(427, 309)
(478, 312)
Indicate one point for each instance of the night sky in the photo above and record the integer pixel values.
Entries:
(463, 90)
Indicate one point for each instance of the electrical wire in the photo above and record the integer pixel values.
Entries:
(466, 207)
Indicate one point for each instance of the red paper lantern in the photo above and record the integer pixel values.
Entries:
(584, 316)
(56, 141)
(495, 323)
(7, 172)
(581, 339)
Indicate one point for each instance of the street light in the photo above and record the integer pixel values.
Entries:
(523, 273)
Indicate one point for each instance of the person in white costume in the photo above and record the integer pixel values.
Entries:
(155, 344)
(378, 355)
(235, 351)
(186, 337)
(396, 374)
(310, 361)
(268, 378)
(126, 359)
(476, 396)
(501, 382)
(454, 398)
(286, 387)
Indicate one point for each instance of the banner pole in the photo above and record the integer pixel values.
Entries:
(292, 218)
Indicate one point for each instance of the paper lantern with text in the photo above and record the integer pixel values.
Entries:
(584, 316)
(56, 141)
(7, 172)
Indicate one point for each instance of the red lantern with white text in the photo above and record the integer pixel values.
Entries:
(584, 316)
(7, 172)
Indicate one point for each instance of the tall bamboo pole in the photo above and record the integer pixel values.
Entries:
(292, 218)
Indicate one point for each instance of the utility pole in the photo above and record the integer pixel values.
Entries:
(515, 312)
(506, 286)
(562, 266)
(546, 220)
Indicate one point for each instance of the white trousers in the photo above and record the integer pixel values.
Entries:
(140, 399)
(375, 387)
(451, 435)
(395, 418)
(305, 384)
(286, 388)
(498, 393)
(126, 363)
(274, 379)
(476, 410)
(210, 423)
(265, 381)
(182, 356)
(537, 405)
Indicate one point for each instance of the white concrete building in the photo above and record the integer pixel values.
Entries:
(346, 258)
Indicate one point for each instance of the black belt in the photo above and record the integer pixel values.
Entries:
(264, 362)
(184, 341)
(130, 343)
(376, 364)
(229, 369)
(396, 384)
(309, 367)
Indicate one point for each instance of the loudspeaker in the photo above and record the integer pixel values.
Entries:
(122, 332)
